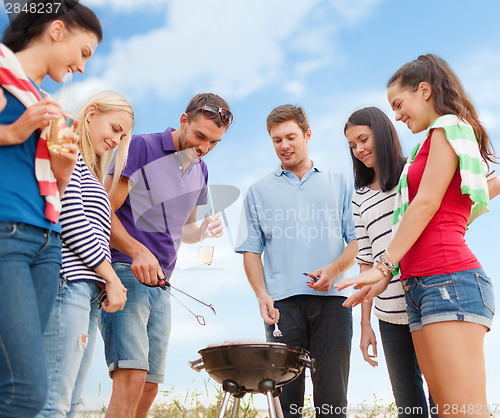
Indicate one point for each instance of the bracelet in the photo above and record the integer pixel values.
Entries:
(377, 265)
(386, 262)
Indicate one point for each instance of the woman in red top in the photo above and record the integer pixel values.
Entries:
(450, 299)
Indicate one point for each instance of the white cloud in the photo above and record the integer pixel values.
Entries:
(354, 10)
(242, 49)
(481, 80)
(295, 88)
(127, 5)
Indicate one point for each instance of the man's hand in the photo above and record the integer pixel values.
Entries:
(267, 309)
(326, 275)
(321, 279)
(146, 268)
(211, 227)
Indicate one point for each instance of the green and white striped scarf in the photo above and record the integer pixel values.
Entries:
(472, 168)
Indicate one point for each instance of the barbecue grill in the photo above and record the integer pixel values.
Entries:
(253, 368)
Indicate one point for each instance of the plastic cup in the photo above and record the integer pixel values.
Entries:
(58, 132)
(206, 254)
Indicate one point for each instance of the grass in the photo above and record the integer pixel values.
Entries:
(190, 405)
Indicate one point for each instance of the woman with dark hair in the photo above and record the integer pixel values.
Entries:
(389, 158)
(32, 21)
(377, 163)
(41, 41)
(443, 186)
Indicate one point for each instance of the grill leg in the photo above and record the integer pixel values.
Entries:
(223, 407)
(268, 387)
(271, 405)
(277, 405)
(236, 405)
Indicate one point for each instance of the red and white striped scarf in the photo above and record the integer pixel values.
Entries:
(13, 79)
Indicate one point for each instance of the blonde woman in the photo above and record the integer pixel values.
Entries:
(105, 123)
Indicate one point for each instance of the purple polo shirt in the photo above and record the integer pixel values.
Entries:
(161, 198)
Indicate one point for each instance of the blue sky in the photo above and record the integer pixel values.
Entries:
(329, 56)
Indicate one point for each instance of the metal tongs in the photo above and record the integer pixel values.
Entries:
(165, 285)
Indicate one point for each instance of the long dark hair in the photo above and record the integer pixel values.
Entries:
(390, 160)
(30, 23)
(447, 92)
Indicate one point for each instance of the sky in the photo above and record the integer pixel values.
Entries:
(331, 57)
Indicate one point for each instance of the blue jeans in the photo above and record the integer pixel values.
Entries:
(69, 344)
(404, 373)
(30, 260)
(137, 337)
(462, 296)
(321, 325)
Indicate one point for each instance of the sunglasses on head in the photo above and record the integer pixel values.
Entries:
(210, 111)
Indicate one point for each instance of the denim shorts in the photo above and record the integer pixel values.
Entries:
(137, 337)
(463, 296)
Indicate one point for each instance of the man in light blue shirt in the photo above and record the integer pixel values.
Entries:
(300, 217)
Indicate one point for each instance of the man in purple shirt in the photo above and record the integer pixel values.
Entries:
(154, 209)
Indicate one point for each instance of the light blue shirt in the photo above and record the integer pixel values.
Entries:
(299, 225)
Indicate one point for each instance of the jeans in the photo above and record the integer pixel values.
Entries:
(30, 260)
(321, 325)
(462, 296)
(69, 344)
(404, 373)
(137, 337)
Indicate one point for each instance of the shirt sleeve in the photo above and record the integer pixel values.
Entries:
(136, 159)
(250, 235)
(365, 254)
(348, 227)
(76, 230)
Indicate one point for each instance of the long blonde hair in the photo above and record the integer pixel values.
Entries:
(104, 101)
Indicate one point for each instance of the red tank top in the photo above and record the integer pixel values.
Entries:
(441, 247)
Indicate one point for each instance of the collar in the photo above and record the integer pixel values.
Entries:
(279, 170)
(166, 140)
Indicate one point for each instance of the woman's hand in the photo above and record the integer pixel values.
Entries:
(116, 296)
(370, 276)
(33, 118)
(366, 294)
(368, 339)
(62, 162)
(356, 298)
(3, 100)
